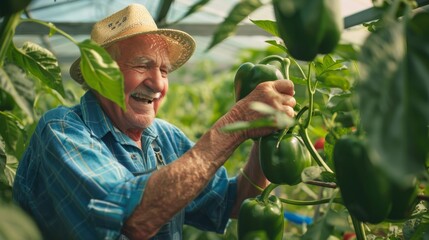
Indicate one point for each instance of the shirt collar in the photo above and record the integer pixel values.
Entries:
(100, 124)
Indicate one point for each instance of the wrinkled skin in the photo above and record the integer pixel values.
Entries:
(183, 179)
(145, 71)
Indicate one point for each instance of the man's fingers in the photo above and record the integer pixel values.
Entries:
(284, 86)
(289, 101)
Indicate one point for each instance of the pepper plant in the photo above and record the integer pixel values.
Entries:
(373, 107)
(377, 93)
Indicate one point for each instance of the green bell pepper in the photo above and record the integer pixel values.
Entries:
(404, 201)
(365, 189)
(261, 216)
(12, 6)
(309, 27)
(249, 75)
(256, 235)
(282, 162)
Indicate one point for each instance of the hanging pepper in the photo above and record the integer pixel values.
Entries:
(282, 161)
(308, 27)
(249, 75)
(404, 200)
(12, 6)
(365, 190)
(261, 216)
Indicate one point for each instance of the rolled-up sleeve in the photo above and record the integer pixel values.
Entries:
(109, 214)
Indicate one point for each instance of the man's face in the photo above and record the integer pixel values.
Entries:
(144, 63)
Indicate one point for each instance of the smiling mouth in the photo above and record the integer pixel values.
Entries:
(140, 97)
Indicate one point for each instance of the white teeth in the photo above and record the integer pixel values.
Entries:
(140, 96)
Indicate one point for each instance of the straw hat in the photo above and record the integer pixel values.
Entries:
(134, 20)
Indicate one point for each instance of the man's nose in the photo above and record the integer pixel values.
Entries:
(156, 80)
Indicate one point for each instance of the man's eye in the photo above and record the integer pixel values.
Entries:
(164, 71)
(141, 66)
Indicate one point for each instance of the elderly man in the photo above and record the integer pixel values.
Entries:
(95, 171)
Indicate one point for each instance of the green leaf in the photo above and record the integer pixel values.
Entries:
(273, 118)
(263, 108)
(10, 169)
(420, 232)
(339, 78)
(311, 173)
(14, 81)
(3, 179)
(394, 95)
(278, 43)
(16, 224)
(242, 125)
(163, 8)
(40, 63)
(321, 229)
(328, 64)
(333, 73)
(236, 15)
(348, 51)
(267, 25)
(12, 131)
(194, 8)
(101, 72)
(341, 102)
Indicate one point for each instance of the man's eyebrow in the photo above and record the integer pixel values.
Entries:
(142, 60)
(149, 61)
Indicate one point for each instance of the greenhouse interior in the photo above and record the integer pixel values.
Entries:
(367, 92)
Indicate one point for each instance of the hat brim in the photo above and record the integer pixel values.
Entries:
(181, 47)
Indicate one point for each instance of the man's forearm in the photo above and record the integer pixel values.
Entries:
(172, 187)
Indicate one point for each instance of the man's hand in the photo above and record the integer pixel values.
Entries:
(277, 94)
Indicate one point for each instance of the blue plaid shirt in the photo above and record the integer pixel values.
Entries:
(81, 178)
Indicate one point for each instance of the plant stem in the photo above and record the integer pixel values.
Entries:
(321, 184)
(267, 191)
(310, 98)
(301, 112)
(286, 68)
(359, 230)
(308, 203)
(300, 69)
(316, 156)
(52, 28)
(7, 31)
(303, 128)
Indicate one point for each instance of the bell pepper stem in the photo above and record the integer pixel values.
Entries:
(290, 129)
(359, 229)
(284, 63)
(266, 193)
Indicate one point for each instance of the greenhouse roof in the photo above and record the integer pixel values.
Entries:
(76, 17)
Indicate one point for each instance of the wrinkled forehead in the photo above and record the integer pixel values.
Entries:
(148, 44)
